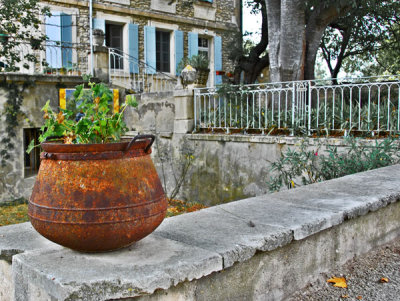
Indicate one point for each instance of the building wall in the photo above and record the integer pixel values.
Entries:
(220, 18)
(14, 183)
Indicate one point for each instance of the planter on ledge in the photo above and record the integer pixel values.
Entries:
(97, 197)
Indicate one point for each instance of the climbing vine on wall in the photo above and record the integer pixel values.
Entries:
(11, 112)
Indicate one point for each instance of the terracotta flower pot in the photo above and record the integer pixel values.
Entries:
(202, 76)
(97, 197)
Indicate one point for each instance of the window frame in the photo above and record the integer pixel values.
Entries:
(204, 49)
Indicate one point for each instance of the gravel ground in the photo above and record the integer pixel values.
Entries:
(363, 276)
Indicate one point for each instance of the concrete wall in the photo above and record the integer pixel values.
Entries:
(155, 113)
(13, 182)
(225, 167)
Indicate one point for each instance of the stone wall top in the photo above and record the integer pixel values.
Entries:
(193, 245)
(288, 140)
(41, 78)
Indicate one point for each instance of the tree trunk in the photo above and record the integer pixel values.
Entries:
(291, 57)
(274, 33)
(293, 42)
(286, 32)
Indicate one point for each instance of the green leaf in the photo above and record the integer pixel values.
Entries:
(31, 146)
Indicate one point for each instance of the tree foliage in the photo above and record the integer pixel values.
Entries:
(294, 30)
(360, 35)
(20, 25)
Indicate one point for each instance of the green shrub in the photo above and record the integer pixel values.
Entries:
(320, 162)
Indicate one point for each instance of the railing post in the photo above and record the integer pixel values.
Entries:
(293, 108)
(101, 66)
(184, 110)
(109, 65)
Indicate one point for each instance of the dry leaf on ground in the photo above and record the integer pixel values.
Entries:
(383, 279)
(338, 282)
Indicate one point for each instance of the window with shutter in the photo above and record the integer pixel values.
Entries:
(150, 48)
(133, 36)
(66, 40)
(193, 40)
(178, 48)
(218, 58)
(53, 52)
(59, 46)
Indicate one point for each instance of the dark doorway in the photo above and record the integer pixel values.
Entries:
(114, 40)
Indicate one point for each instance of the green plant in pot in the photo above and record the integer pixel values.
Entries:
(95, 191)
(200, 63)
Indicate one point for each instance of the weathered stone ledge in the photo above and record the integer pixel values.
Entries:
(288, 140)
(41, 78)
(251, 249)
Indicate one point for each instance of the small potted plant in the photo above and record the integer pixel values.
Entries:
(47, 70)
(63, 71)
(200, 63)
(95, 191)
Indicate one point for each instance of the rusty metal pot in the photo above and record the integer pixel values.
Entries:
(97, 197)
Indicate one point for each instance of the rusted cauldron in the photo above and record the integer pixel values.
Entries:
(97, 197)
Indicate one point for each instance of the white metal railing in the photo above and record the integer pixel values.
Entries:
(130, 73)
(50, 58)
(357, 104)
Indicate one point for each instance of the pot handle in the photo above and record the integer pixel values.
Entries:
(141, 137)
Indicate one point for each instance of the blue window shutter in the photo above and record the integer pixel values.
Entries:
(66, 39)
(100, 24)
(178, 47)
(53, 32)
(150, 48)
(133, 33)
(218, 58)
(193, 40)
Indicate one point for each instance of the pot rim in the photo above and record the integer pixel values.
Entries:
(57, 147)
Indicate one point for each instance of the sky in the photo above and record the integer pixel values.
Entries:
(251, 23)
